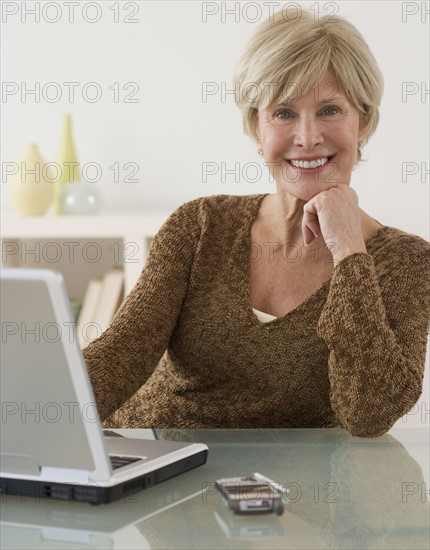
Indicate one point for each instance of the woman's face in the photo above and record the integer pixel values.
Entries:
(319, 125)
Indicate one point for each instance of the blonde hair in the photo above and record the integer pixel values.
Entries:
(285, 56)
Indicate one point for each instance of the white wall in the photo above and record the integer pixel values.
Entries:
(170, 52)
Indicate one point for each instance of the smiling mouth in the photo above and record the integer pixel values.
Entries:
(310, 164)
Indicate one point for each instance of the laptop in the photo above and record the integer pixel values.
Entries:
(140, 520)
(51, 440)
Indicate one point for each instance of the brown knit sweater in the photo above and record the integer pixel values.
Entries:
(352, 355)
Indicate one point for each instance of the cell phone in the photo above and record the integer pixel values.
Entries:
(247, 495)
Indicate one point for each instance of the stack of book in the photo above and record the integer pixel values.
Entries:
(102, 299)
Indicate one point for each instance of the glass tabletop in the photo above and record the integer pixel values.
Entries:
(343, 492)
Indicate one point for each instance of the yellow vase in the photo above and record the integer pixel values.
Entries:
(32, 186)
(67, 163)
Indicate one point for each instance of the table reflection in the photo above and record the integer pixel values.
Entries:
(344, 492)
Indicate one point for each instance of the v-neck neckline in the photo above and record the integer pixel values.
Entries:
(245, 263)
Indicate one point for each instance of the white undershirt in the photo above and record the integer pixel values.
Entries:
(263, 317)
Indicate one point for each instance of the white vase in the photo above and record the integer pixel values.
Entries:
(79, 198)
(32, 186)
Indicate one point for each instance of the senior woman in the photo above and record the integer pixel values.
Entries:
(293, 309)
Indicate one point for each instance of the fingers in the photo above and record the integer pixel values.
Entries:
(310, 227)
(308, 236)
(338, 203)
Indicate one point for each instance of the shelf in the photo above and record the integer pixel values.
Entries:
(142, 223)
(136, 228)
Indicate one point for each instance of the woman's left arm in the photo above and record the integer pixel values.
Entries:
(376, 331)
(374, 326)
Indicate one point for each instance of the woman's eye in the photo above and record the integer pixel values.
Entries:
(332, 110)
(282, 114)
(285, 114)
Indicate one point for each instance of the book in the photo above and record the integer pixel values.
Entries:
(101, 301)
(87, 330)
(110, 297)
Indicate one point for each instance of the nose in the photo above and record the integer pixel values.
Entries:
(307, 132)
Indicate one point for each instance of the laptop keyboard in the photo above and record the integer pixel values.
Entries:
(120, 461)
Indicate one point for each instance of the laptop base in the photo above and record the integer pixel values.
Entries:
(95, 494)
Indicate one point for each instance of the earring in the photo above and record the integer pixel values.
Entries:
(360, 144)
(260, 151)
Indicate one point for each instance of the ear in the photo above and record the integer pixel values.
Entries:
(362, 124)
(254, 125)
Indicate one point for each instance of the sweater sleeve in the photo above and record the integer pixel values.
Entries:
(377, 334)
(126, 354)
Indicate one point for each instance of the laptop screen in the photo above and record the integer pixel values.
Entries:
(42, 418)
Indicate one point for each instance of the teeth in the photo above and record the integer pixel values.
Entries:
(309, 163)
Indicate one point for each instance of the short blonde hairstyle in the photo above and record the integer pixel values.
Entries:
(287, 55)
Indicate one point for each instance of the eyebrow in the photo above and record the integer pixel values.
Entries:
(322, 102)
(335, 98)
